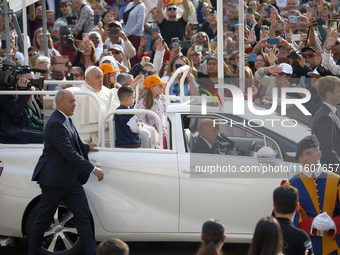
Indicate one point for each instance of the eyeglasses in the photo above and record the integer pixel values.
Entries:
(147, 72)
(308, 55)
(33, 54)
(65, 27)
(172, 9)
(260, 60)
(77, 75)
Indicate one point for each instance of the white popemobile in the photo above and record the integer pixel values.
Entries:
(151, 194)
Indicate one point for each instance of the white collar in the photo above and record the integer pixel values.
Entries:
(333, 109)
(66, 117)
(318, 171)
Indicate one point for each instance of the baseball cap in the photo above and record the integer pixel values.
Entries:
(153, 80)
(308, 48)
(315, 71)
(57, 25)
(116, 47)
(286, 68)
(108, 68)
(115, 23)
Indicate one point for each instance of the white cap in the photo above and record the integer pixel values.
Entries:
(59, 24)
(116, 47)
(89, 69)
(315, 71)
(286, 68)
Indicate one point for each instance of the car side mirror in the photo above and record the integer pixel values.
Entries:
(266, 155)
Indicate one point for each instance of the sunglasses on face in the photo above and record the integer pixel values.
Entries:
(172, 9)
(147, 72)
(33, 54)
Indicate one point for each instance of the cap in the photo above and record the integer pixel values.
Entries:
(153, 80)
(308, 48)
(89, 69)
(115, 23)
(116, 47)
(310, 141)
(108, 68)
(58, 24)
(315, 71)
(286, 68)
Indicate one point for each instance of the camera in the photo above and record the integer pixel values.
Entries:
(293, 55)
(69, 39)
(9, 76)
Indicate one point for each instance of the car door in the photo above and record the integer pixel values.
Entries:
(140, 190)
(238, 199)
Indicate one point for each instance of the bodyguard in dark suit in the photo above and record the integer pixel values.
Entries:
(60, 172)
(326, 124)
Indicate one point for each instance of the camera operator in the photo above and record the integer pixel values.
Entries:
(17, 123)
(68, 44)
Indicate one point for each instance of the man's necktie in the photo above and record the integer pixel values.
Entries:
(75, 135)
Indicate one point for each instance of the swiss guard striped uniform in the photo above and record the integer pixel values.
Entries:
(317, 196)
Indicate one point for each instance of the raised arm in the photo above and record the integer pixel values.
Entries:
(186, 10)
(160, 15)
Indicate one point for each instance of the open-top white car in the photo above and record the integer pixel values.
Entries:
(155, 194)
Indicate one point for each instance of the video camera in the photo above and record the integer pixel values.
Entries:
(9, 76)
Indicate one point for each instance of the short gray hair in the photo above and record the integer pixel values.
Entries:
(123, 78)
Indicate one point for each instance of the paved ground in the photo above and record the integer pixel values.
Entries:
(145, 248)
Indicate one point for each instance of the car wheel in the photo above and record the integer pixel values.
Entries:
(62, 236)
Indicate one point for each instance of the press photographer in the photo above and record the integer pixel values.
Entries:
(18, 123)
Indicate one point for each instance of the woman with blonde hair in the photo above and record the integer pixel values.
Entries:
(86, 55)
(38, 43)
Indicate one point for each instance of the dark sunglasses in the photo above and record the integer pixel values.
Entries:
(147, 72)
(172, 9)
(33, 54)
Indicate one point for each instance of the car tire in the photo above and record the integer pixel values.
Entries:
(62, 236)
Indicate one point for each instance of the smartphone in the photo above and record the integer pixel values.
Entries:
(113, 31)
(3, 44)
(69, 20)
(70, 76)
(251, 58)
(61, 59)
(86, 37)
(333, 25)
(250, 10)
(320, 21)
(155, 29)
(201, 48)
(296, 37)
(302, 81)
(174, 40)
(95, 19)
(268, 8)
(105, 47)
(196, 27)
(273, 41)
(185, 44)
(264, 29)
(294, 19)
(293, 55)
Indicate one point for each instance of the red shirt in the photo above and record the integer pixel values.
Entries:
(67, 51)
